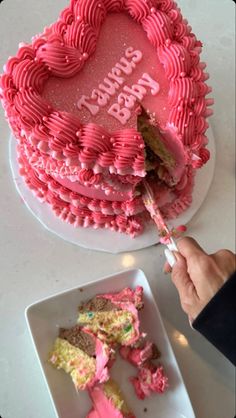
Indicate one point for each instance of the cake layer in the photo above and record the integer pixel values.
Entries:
(81, 354)
(128, 217)
(114, 317)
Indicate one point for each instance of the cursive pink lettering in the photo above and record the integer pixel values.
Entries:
(136, 90)
(83, 102)
(115, 75)
(121, 114)
(135, 55)
(148, 81)
(126, 66)
(126, 100)
(109, 87)
(102, 98)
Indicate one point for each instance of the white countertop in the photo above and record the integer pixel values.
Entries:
(35, 263)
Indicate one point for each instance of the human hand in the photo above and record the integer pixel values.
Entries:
(197, 275)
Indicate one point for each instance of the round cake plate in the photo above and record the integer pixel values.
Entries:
(104, 239)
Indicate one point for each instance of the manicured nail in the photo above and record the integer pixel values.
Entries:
(190, 320)
(170, 257)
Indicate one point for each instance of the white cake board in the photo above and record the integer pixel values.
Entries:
(104, 239)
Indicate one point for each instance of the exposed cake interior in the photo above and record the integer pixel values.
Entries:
(82, 355)
(87, 352)
(80, 339)
(73, 360)
(114, 317)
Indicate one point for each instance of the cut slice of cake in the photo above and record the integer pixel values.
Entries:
(108, 401)
(114, 317)
(150, 378)
(165, 157)
(137, 356)
(81, 354)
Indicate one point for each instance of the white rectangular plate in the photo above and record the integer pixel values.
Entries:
(46, 316)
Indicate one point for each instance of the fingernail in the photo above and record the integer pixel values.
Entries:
(190, 320)
(170, 257)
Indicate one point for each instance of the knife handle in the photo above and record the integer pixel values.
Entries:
(170, 257)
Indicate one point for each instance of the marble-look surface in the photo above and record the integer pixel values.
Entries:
(35, 263)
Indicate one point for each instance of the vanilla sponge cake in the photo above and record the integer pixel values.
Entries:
(114, 317)
(82, 355)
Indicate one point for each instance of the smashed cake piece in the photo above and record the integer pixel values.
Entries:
(82, 355)
(137, 356)
(150, 378)
(114, 317)
(108, 401)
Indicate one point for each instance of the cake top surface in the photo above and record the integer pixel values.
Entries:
(118, 63)
(70, 48)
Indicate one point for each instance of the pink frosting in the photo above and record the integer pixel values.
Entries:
(93, 414)
(158, 27)
(150, 379)
(129, 300)
(61, 138)
(127, 295)
(103, 406)
(93, 193)
(102, 359)
(138, 356)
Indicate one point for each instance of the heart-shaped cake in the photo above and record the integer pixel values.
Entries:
(110, 94)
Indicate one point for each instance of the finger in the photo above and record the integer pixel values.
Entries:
(186, 289)
(187, 246)
(180, 276)
(167, 268)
